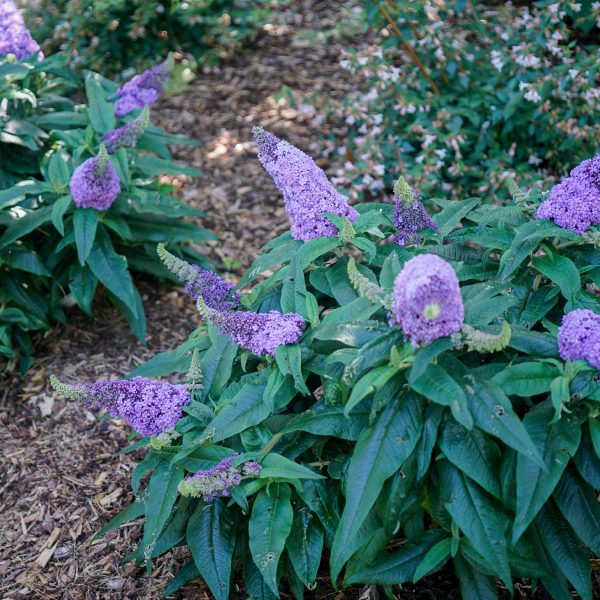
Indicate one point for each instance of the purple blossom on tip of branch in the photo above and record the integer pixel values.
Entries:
(217, 482)
(148, 406)
(95, 183)
(426, 301)
(579, 336)
(574, 203)
(14, 35)
(410, 215)
(306, 190)
(127, 135)
(143, 89)
(261, 333)
(200, 283)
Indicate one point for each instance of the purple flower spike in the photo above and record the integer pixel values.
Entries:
(426, 302)
(575, 202)
(150, 407)
(410, 216)
(14, 36)
(579, 336)
(306, 190)
(261, 333)
(127, 135)
(200, 283)
(143, 89)
(95, 183)
(217, 482)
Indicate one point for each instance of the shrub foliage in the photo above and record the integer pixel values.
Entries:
(381, 461)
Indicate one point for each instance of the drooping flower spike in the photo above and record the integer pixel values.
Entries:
(127, 135)
(217, 482)
(410, 215)
(575, 202)
(426, 301)
(261, 333)
(306, 190)
(148, 406)
(144, 88)
(200, 283)
(579, 336)
(95, 183)
(14, 36)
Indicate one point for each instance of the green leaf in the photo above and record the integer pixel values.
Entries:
(358, 310)
(474, 585)
(482, 521)
(561, 271)
(270, 524)
(59, 208)
(313, 249)
(493, 413)
(578, 502)
(100, 110)
(526, 379)
(111, 269)
(211, 539)
(153, 165)
(85, 222)
(25, 224)
(448, 218)
(187, 573)
(556, 443)
(368, 384)
(289, 361)
(247, 408)
(217, 362)
(279, 467)
(129, 513)
(379, 453)
(434, 559)
(83, 287)
(305, 546)
(160, 498)
(399, 567)
(564, 548)
(438, 386)
(473, 453)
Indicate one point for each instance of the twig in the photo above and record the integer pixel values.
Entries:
(409, 49)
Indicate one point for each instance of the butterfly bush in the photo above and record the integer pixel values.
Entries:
(143, 89)
(426, 302)
(410, 215)
(95, 183)
(579, 336)
(306, 190)
(378, 376)
(574, 203)
(15, 38)
(200, 283)
(150, 407)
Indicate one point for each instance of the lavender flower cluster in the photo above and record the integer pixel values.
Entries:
(148, 406)
(217, 481)
(127, 135)
(95, 183)
(143, 89)
(200, 283)
(575, 202)
(579, 337)
(426, 301)
(306, 190)
(14, 36)
(261, 333)
(410, 215)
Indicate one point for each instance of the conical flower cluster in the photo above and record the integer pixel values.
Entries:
(127, 135)
(307, 192)
(410, 215)
(579, 337)
(14, 36)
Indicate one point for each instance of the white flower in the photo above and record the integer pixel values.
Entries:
(532, 95)
(528, 60)
(575, 6)
(411, 108)
(377, 119)
(573, 73)
(439, 53)
(379, 170)
(534, 160)
(429, 139)
(441, 152)
(497, 61)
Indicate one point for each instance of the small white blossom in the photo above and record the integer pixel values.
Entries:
(534, 160)
(575, 6)
(497, 61)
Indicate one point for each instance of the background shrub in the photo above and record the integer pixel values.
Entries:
(461, 94)
(111, 35)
